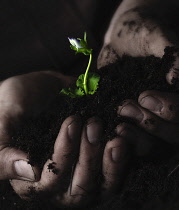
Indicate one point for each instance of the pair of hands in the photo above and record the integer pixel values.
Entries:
(26, 95)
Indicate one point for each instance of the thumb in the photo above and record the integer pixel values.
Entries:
(15, 165)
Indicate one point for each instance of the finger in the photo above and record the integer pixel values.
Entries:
(66, 149)
(172, 76)
(150, 122)
(14, 164)
(58, 169)
(85, 179)
(164, 105)
(141, 142)
(115, 161)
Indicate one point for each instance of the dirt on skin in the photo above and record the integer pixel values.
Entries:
(147, 177)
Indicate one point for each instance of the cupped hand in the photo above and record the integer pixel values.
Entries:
(140, 28)
(80, 172)
(20, 97)
(143, 28)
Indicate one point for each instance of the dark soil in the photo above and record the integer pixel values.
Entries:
(126, 79)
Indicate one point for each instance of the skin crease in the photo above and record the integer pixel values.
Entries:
(123, 36)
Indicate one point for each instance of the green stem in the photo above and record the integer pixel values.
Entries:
(86, 75)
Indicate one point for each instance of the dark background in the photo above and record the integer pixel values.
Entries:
(33, 33)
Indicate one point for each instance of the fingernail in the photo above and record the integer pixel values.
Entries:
(151, 103)
(94, 130)
(116, 154)
(24, 170)
(74, 129)
(131, 111)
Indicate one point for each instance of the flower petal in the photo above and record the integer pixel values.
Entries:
(75, 43)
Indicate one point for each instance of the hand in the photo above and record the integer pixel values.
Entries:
(20, 97)
(26, 95)
(136, 30)
(140, 28)
(82, 172)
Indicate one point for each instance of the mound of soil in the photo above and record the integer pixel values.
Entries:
(126, 79)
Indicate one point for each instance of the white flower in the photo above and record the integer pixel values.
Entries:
(75, 43)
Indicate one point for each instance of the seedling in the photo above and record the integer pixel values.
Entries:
(86, 83)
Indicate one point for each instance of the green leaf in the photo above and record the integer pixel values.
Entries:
(80, 81)
(83, 44)
(92, 81)
(87, 52)
(68, 92)
(73, 93)
(84, 51)
(79, 92)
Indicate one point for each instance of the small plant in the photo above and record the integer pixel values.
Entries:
(86, 83)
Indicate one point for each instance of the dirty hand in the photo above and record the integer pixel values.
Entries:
(140, 28)
(143, 28)
(20, 97)
(83, 173)
(78, 158)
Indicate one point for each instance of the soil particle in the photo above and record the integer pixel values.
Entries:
(130, 24)
(51, 167)
(119, 33)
